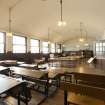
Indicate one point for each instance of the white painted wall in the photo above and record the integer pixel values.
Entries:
(74, 47)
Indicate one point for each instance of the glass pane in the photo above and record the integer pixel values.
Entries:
(103, 48)
(58, 46)
(103, 44)
(97, 44)
(19, 40)
(34, 42)
(59, 51)
(19, 49)
(52, 45)
(100, 48)
(52, 50)
(100, 44)
(97, 49)
(34, 49)
(45, 50)
(1, 48)
(1, 37)
(45, 44)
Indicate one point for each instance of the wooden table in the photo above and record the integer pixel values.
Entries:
(30, 66)
(28, 72)
(7, 83)
(4, 70)
(81, 69)
(70, 61)
(34, 76)
(8, 62)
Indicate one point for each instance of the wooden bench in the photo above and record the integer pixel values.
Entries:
(90, 79)
(98, 93)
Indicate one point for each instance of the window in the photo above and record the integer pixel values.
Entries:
(58, 48)
(45, 47)
(34, 46)
(100, 48)
(52, 48)
(19, 44)
(2, 42)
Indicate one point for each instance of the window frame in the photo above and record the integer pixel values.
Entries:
(35, 46)
(25, 43)
(102, 47)
(58, 48)
(45, 47)
(4, 42)
(53, 48)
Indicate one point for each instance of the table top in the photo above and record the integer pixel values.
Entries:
(66, 58)
(39, 60)
(20, 62)
(3, 68)
(28, 72)
(9, 61)
(86, 70)
(28, 65)
(6, 83)
(34, 73)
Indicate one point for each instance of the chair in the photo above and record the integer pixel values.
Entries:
(66, 77)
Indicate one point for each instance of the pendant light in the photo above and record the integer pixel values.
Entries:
(10, 20)
(86, 43)
(48, 35)
(61, 22)
(81, 39)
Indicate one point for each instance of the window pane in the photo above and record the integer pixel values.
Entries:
(19, 44)
(34, 49)
(52, 45)
(1, 37)
(100, 48)
(59, 51)
(45, 44)
(45, 47)
(97, 49)
(19, 49)
(52, 50)
(34, 46)
(19, 40)
(100, 44)
(1, 42)
(45, 50)
(1, 48)
(104, 48)
(34, 42)
(58, 48)
(103, 44)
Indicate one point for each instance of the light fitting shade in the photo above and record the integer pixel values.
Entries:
(81, 39)
(61, 23)
(9, 34)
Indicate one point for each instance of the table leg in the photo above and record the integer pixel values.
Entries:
(19, 98)
(65, 97)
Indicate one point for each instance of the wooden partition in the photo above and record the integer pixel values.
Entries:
(25, 57)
